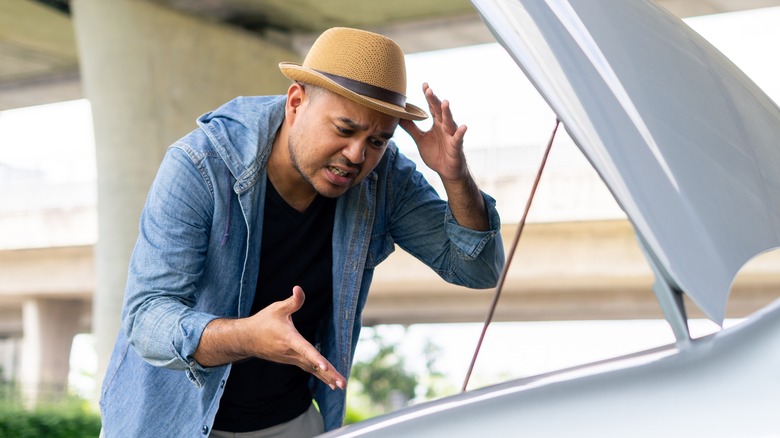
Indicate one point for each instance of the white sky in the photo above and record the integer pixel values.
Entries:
(58, 139)
(55, 138)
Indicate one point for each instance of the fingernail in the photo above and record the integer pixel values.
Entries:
(332, 386)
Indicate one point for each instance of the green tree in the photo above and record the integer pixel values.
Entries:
(384, 382)
(433, 382)
(384, 379)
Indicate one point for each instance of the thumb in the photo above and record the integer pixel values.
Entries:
(295, 302)
(411, 128)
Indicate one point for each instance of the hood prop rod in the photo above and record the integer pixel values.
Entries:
(511, 254)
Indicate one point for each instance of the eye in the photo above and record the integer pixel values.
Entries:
(345, 132)
(377, 142)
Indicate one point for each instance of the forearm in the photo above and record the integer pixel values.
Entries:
(223, 341)
(466, 203)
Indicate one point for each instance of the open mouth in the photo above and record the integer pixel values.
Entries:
(338, 172)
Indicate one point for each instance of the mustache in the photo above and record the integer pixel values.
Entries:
(343, 161)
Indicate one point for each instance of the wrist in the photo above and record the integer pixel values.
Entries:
(222, 342)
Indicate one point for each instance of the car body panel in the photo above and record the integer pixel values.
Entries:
(722, 385)
(685, 141)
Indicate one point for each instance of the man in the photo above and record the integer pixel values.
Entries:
(271, 200)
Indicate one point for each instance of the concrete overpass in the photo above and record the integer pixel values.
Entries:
(40, 58)
(150, 67)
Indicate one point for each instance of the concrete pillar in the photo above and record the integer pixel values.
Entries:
(148, 73)
(10, 352)
(49, 327)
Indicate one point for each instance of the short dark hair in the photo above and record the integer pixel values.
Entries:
(311, 90)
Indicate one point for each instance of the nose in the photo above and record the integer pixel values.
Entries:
(355, 151)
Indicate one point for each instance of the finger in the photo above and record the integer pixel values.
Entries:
(310, 360)
(316, 364)
(328, 374)
(411, 128)
(459, 134)
(447, 119)
(434, 104)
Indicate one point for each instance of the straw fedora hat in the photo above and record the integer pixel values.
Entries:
(362, 66)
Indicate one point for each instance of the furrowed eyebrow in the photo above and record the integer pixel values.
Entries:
(353, 125)
(358, 127)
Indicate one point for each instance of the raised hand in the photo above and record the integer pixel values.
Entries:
(441, 147)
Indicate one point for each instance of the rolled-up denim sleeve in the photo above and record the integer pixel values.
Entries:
(470, 243)
(158, 315)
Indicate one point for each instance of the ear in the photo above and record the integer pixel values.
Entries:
(296, 96)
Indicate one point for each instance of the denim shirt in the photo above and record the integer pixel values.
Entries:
(198, 254)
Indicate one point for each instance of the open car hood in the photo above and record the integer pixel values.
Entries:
(684, 140)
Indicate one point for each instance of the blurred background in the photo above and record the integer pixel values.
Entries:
(92, 93)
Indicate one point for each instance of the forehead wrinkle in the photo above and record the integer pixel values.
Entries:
(353, 124)
(363, 127)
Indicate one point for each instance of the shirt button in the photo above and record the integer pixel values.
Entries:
(222, 383)
(205, 430)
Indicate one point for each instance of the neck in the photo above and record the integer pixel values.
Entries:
(287, 181)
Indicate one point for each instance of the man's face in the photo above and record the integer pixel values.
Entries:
(335, 143)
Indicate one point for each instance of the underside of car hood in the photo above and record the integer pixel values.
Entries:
(685, 141)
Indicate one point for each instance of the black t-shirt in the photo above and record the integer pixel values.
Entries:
(296, 250)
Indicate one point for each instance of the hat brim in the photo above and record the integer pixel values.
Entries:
(297, 72)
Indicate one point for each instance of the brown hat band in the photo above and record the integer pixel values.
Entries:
(368, 90)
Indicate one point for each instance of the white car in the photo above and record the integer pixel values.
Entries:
(690, 149)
